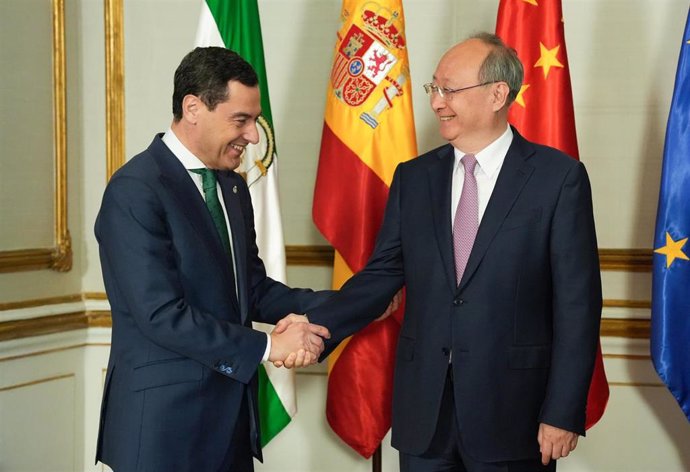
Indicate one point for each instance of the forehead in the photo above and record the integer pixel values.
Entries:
(243, 98)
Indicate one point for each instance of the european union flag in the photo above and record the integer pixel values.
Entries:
(670, 337)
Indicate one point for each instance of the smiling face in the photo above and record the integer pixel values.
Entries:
(218, 137)
(469, 119)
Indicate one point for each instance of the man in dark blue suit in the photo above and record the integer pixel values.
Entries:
(185, 281)
(493, 237)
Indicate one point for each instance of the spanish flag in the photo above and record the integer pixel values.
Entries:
(368, 130)
(543, 110)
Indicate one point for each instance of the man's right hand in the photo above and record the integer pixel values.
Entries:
(298, 344)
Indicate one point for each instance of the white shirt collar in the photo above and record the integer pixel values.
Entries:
(491, 157)
(188, 160)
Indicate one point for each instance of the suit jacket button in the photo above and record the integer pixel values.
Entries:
(445, 351)
(456, 302)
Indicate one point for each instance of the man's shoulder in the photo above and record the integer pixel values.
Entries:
(429, 158)
(551, 167)
(542, 155)
(142, 165)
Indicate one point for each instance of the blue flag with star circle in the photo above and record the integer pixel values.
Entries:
(670, 334)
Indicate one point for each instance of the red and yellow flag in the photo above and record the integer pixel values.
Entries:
(368, 129)
(543, 111)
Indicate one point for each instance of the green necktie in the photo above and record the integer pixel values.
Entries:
(208, 179)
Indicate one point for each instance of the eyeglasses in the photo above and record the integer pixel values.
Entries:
(447, 93)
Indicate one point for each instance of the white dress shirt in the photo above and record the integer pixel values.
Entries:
(489, 163)
(190, 161)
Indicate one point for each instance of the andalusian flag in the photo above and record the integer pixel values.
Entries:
(543, 110)
(368, 130)
(235, 25)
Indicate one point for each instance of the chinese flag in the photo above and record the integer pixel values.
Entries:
(368, 129)
(543, 110)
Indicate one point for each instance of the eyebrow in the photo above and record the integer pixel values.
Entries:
(244, 115)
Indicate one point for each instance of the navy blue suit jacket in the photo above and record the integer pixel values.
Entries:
(523, 323)
(183, 351)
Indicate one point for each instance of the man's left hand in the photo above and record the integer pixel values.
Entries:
(392, 306)
(555, 443)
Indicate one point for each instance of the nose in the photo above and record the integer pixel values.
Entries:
(252, 133)
(437, 103)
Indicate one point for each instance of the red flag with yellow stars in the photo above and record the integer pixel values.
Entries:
(368, 130)
(543, 110)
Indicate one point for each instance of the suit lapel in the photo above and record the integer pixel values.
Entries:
(513, 175)
(233, 206)
(176, 179)
(440, 180)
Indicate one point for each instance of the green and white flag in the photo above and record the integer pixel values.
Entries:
(234, 24)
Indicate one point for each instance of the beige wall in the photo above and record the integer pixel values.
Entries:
(623, 55)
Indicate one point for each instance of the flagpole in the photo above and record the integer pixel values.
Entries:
(376, 460)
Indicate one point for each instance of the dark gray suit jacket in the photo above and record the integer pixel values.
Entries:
(522, 325)
(183, 352)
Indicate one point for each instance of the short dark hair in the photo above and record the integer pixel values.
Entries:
(501, 64)
(205, 72)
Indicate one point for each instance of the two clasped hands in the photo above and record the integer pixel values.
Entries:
(295, 342)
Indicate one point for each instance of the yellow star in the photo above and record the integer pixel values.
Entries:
(673, 250)
(531, 2)
(520, 99)
(548, 58)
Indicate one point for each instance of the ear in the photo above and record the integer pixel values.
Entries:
(191, 107)
(499, 95)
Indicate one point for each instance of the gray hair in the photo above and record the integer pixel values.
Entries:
(501, 64)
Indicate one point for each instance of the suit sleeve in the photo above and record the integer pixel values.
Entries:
(270, 300)
(367, 294)
(577, 303)
(139, 267)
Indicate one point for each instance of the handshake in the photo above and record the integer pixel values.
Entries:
(295, 342)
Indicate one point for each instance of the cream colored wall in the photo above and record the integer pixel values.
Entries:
(623, 56)
(85, 160)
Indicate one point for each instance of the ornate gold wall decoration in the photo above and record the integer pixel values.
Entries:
(114, 87)
(59, 257)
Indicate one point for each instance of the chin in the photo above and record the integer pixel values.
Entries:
(448, 136)
(233, 164)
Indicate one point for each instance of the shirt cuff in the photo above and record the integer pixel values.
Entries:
(268, 348)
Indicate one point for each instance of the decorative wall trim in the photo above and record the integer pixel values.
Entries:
(43, 325)
(17, 329)
(626, 260)
(629, 357)
(309, 255)
(637, 304)
(36, 382)
(114, 86)
(625, 328)
(98, 319)
(44, 352)
(636, 384)
(59, 257)
(42, 302)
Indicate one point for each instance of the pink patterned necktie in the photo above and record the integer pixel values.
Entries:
(466, 218)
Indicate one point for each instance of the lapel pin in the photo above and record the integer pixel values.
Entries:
(234, 189)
